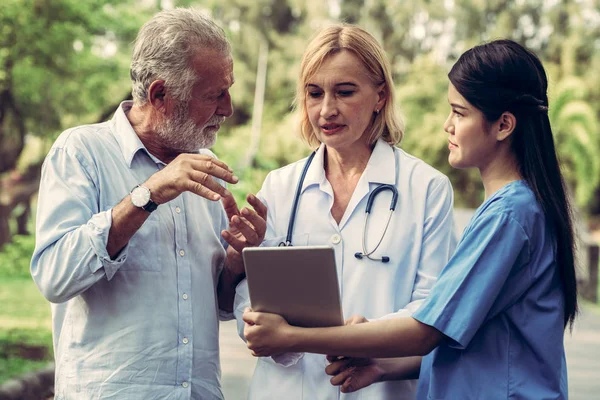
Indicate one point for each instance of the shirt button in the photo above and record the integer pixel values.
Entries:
(185, 384)
(335, 239)
(185, 296)
(181, 253)
(177, 210)
(185, 340)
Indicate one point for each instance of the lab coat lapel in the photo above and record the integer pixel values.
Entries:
(316, 180)
(316, 174)
(381, 169)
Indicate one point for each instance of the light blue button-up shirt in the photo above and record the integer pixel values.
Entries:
(142, 326)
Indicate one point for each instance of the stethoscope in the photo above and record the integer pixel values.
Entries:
(359, 255)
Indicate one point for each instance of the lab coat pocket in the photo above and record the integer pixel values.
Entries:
(274, 381)
(300, 239)
(143, 254)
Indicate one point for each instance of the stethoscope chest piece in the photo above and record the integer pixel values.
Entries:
(370, 200)
(384, 259)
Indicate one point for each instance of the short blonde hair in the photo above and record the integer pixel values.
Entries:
(387, 124)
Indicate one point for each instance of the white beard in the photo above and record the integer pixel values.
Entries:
(180, 133)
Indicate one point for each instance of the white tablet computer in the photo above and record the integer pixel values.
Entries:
(298, 283)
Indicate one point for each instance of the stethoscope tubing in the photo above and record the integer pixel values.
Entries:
(288, 238)
(370, 200)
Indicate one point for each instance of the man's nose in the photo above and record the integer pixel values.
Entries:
(225, 106)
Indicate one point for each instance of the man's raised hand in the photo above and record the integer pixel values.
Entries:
(194, 173)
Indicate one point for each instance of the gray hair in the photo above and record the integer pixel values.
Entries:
(164, 48)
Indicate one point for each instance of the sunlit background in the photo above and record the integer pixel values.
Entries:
(66, 62)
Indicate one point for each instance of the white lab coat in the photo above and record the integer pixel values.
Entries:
(419, 242)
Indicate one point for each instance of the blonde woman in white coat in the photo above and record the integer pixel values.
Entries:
(345, 97)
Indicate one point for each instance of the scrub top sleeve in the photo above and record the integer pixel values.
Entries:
(471, 288)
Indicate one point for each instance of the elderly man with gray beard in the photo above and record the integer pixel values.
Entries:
(134, 250)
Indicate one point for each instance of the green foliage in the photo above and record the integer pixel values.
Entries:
(421, 35)
(15, 257)
(23, 306)
(25, 335)
(577, 136)
(22, 351)
(423, 101)
(68, 64)
(422, 39)
(62, 63)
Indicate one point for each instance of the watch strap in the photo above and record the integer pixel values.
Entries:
(150, 206)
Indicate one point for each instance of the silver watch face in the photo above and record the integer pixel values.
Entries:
(140, 196)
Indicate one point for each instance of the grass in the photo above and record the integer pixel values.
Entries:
(25, 328)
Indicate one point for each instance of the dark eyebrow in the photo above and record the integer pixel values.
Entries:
(458, 106)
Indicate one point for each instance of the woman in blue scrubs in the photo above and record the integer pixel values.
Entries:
(493, 325)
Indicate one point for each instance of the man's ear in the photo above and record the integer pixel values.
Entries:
(156, 95)
(506, 125)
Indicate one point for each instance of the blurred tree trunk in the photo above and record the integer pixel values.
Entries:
(12, 142)
(259, 99)
(12, 131)
(17, 189)
(23, 218)
(4, 227)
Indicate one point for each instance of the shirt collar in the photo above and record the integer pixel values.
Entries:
(382, 166)
(379, 168)
(128, 140)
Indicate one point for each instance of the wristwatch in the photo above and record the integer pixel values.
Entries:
(140, 197)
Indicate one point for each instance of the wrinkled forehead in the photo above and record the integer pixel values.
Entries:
(211, 63)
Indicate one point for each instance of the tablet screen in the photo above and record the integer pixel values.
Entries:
(298, 283)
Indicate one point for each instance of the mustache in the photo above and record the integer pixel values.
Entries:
(215, 121)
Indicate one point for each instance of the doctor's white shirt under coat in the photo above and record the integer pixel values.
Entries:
(419, 242)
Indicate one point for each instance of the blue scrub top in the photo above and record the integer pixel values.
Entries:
(500, 303)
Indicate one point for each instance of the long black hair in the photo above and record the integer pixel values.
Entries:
(504, 76)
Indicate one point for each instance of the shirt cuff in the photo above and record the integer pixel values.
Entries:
(407, 311)
(225, 315)
(97, 228)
